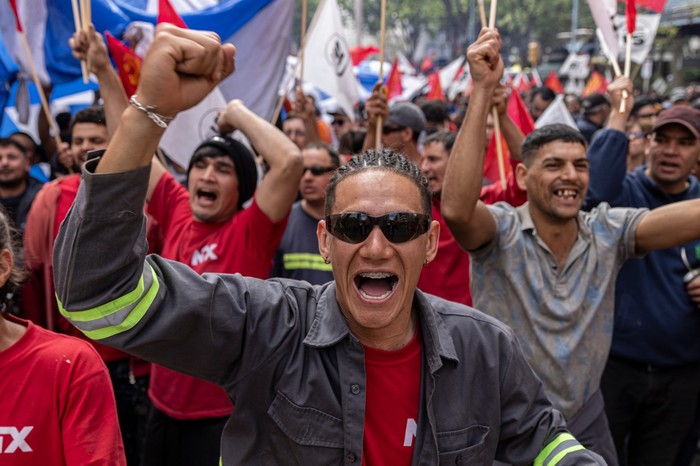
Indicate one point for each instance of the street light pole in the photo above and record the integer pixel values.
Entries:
(574, 26)
(358, 21)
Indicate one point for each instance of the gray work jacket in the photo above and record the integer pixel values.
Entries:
(284, 353)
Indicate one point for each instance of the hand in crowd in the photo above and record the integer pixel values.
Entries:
(227, 119)
(377, 105)
(181, 67)
(499, 99)
(304, 106)
(693, 288)
(484, 57)
(615, 91)
(88, 45)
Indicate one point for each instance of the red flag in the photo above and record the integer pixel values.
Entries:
(426, 65)
(167, 14)
(435, 92)
(128, 64)
(596, 83)
(357, 54)
(518, 112)
(393, 81)
(631, 14)
(656, 5)
(521, 83)
(554, 83)
(18, 23)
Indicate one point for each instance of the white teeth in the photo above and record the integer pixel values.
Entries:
(375, 275)
(370, 298)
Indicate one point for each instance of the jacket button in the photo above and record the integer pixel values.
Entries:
(355, 389)
(458, 460)
(350, 458)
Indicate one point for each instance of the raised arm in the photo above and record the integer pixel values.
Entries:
(469, 219)
(376, 107)
(279, 187)
(88, 45)
(607, 153)
(511, 133)
(669, 226)
(182, 66)
(305, 108)
(512, 194)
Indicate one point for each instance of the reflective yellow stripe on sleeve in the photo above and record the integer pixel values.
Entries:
(306, 261)
(118, 315)
(557, 449)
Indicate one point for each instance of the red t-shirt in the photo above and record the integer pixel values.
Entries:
(246, 244)
(447, 276)
(56, 403)
(392, 404)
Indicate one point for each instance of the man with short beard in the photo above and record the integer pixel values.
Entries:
(17, 188)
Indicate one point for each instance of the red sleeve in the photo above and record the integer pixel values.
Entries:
(166, 203)
(262, 237)
(89, 424)
(513, 195)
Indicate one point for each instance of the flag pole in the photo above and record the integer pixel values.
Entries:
(494, 110)
(303, 38)
(35, 77)
(40, 90)
(86, 19)
(382, 35)
(482, 13)
(78, 28)
(628, 63)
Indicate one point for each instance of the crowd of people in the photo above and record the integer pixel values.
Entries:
(245, 310)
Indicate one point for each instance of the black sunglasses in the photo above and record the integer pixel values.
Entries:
(318, 170)
(397, 227)
(391, 129)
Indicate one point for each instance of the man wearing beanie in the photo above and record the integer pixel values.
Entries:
(206, 227)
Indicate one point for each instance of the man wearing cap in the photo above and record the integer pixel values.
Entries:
(341, 124)
(596, 109)
(208, 227)
(402, 125)
(652, 379)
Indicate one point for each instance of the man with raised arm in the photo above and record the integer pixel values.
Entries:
(546, 268)
(364, 369)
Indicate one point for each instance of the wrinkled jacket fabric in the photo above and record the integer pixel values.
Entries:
(285, 355)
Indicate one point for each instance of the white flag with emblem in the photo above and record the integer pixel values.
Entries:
(327, 63)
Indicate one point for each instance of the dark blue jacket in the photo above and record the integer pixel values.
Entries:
(655, 320)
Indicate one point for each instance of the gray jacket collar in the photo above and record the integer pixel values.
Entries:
(329, 327)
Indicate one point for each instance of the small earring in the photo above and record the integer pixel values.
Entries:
(326, 260)
(425, 264)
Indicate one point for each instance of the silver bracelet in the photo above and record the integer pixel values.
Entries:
(149, 110)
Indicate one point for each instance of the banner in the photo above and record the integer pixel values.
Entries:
(643, 36)
(603, 12)
(260, 29)
(327, 60)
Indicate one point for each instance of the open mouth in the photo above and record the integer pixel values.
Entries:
(206, 195)
(376, 285)
(566, 194)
